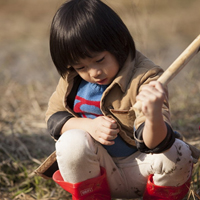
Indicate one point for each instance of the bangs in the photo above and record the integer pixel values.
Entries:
(80, 47)
(83, 35)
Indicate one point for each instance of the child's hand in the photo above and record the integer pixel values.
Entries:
(104, 130)
(152, 97)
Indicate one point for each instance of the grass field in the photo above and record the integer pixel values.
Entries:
(161, 30)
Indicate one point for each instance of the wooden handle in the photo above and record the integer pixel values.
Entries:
(180, 62)
(175, 67)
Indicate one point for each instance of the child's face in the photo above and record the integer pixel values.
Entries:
(100, 69)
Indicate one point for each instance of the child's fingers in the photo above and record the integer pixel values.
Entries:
(106, 142)
(157, 85)
(151, 91)
(110, 123)
(109, 137)
(109, 119)
(108, 133)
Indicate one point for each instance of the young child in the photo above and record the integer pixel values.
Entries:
(103, 149)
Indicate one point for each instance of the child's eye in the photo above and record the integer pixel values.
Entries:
(98, 61)
(79, 68)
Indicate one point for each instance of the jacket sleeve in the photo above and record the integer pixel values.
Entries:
(145, 76)
(56, 114)
(164, 145)
(56, 101)
(149, 76)
(145, 72)
(56, 122)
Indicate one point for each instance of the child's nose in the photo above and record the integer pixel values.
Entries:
(95, 72)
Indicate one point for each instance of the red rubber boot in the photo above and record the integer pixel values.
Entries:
(155, 192)
(91, 189)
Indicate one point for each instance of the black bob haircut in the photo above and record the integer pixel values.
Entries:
(80, 27)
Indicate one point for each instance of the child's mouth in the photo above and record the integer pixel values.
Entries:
(102, 81)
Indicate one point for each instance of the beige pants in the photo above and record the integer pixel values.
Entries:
(79, 158)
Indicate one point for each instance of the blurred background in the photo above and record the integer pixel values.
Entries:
(161, 30)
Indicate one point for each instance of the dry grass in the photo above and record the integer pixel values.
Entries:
(161, 30)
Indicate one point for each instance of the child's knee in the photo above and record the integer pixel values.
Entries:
(73, 146)
(181, 154)
(174, 164)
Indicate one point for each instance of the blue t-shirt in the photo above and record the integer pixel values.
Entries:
(87, 104)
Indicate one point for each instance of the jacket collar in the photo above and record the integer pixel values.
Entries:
(124, 75)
